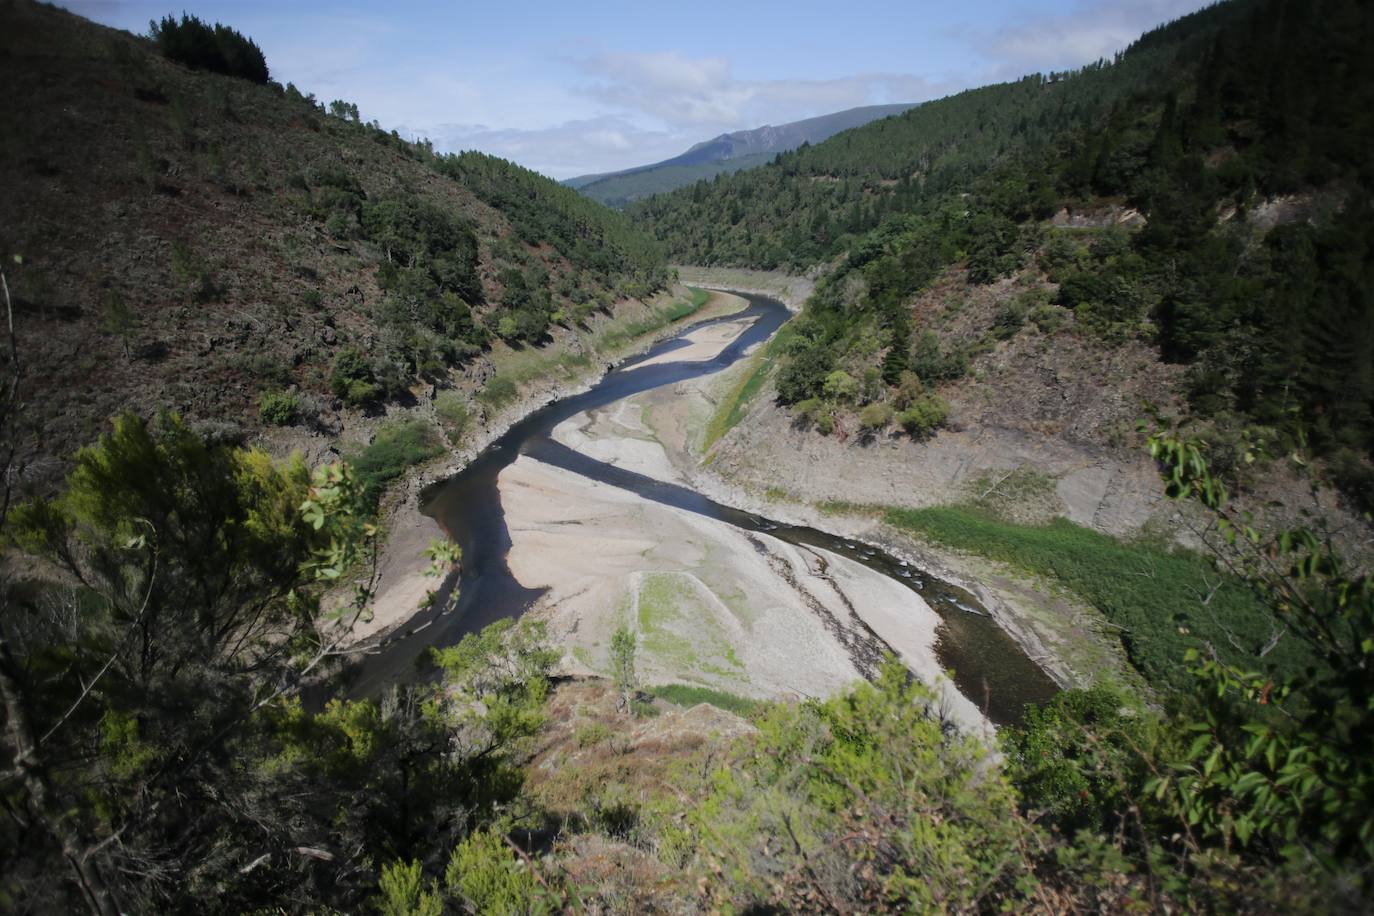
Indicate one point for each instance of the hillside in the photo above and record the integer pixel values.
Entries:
(191, 241)
(723, 155)
(1202, 195)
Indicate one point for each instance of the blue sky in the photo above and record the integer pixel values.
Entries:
(569, 88)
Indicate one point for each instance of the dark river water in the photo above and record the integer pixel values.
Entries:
(989, 667)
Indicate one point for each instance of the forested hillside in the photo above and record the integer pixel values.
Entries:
(180, 237)
(1229, 150)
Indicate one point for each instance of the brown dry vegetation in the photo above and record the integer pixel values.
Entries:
(599, 769)
(1051, 381)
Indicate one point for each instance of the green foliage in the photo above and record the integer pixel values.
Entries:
(688, 695)
(347, 111)
(925, 414)
(118, 319)
(163, 520)
(1154, 596)
(863, 802)
(452, 409)
(279, 408)
(840, 385)
(337, 509)
(1215, 114)
(398, 445)
(1010, 318)
(1251, 790)
(403, 891)
(592, 734)
(498, 680)
(733, 406)
(191, 270)
(352, 378)
(623, 642)
(599, 242)
(201, 46)
(1079, 757)
(488, 878)
(875, 416)
(932, 363)
(498, 392)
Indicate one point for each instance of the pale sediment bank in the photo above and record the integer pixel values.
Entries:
(789, 289)
(712, 604)
(658, 434)
(403, 583)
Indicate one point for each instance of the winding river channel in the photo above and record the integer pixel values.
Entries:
(989, 667)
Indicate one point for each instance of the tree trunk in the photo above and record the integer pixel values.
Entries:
(42, 805)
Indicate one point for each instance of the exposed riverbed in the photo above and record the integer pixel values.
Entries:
(593, 532)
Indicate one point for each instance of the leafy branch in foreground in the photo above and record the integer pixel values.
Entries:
(1286, 766)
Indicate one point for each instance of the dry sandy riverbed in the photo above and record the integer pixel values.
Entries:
(403, 583)
(712, 604)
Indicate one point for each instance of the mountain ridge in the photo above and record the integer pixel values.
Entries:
(744, 148)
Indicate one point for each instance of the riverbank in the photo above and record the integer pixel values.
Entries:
(713, 605)
(789, 289)
(661, 434)
(566, 368)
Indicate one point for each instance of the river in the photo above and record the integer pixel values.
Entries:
(989, 667)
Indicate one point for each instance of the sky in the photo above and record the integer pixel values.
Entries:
(571, 88)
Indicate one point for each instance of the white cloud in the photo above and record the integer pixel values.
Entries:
(701, 93)
(1093, 30)
(646, 107)
(615, 109)
(564, 150)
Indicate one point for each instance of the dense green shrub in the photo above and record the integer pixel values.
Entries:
(498, 392)
(933, 363)
(925, 414)
(840, 385)
(452, 409)
(875, 416)
(201, 46)
(486, 876)
(279, 408)
(398, 445)
(1078, 758)
(1010, 318)
(352, 377)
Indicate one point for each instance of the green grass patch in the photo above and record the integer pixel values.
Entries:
(617, 335)
(679, 630)
(735, 404)
(1153, 594)
(592, 734)
(687, 696)
(452, 409)
(398, 445)
(519, 367)
(845, 507)
(498, 392)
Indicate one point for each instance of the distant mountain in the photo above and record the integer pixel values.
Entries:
(732, 152)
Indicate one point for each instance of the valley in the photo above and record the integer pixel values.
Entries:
(604, 531)
(950, 507)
